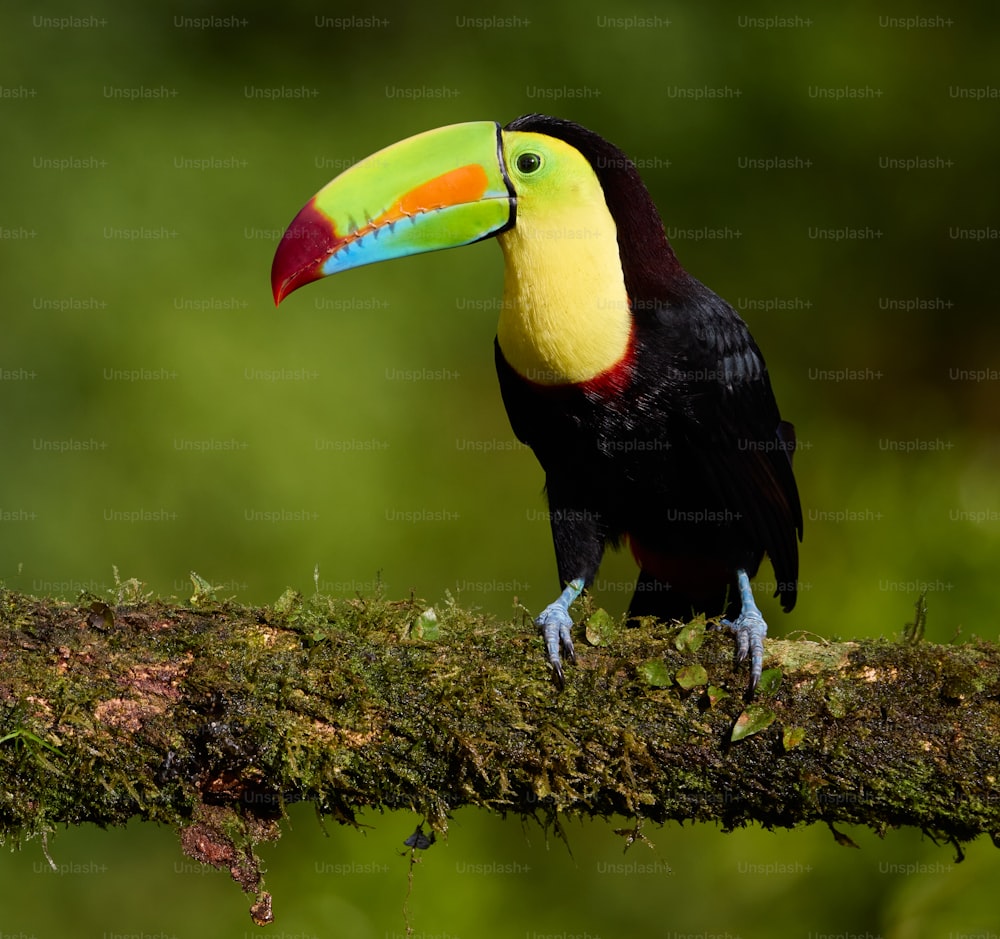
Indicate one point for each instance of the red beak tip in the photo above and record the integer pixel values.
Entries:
(309, 240)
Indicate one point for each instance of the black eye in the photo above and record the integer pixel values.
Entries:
(528, 162)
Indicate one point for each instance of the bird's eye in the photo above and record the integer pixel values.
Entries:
(528, 162)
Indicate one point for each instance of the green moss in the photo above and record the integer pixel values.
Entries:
(210, 717)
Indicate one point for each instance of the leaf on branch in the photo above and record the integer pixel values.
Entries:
(754, 719)
(600, 628)
(691, 636)
(655, 674)
(691, 676)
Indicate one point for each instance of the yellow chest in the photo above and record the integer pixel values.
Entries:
(565, 317)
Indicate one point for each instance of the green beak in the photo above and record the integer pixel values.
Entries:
(440, 189)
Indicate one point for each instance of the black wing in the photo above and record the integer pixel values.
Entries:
(725, 424)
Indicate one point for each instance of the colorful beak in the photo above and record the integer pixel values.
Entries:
(440, 189)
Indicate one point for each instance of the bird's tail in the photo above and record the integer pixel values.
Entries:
(683, 588)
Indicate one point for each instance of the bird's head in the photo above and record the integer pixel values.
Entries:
(444, 188)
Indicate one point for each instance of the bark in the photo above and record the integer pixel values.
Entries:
(210, 717)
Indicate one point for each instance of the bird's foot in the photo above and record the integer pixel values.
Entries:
(555, 623)
(750, 629)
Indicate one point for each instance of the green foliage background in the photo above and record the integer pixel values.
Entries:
(159, 415)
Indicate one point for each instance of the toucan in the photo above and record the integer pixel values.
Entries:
(641, 392)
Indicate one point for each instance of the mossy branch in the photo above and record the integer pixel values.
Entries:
(210, 716)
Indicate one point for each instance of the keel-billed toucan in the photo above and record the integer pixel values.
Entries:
(642, 393)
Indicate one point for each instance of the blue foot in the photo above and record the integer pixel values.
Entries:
(750, 630)
(555, 623)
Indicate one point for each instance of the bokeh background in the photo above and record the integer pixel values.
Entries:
(832, 171)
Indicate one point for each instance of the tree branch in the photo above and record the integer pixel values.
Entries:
(210, 717)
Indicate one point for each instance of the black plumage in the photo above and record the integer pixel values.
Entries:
(680, 449)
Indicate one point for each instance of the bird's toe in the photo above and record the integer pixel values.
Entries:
(750, 629)
(555, 623)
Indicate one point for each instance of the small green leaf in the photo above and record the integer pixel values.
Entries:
(288, 602)
(655, 674)
(715, 695)
(793, 736)
(691, 676)
(204, 592)
(836, 703)
(101, 616)
(600, 628)
(690, 637)
(129, 592)
(754, 719)
(770, 678)
(426, 626)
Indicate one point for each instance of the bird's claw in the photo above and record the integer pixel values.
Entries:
(750, 630)
(554, 623)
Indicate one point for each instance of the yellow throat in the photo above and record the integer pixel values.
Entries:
(565, 317)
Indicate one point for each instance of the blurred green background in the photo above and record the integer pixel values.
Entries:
(832, 174)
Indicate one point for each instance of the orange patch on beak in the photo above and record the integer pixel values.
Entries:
(465, 184)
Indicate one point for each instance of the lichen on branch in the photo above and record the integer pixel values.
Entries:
(210, 717)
